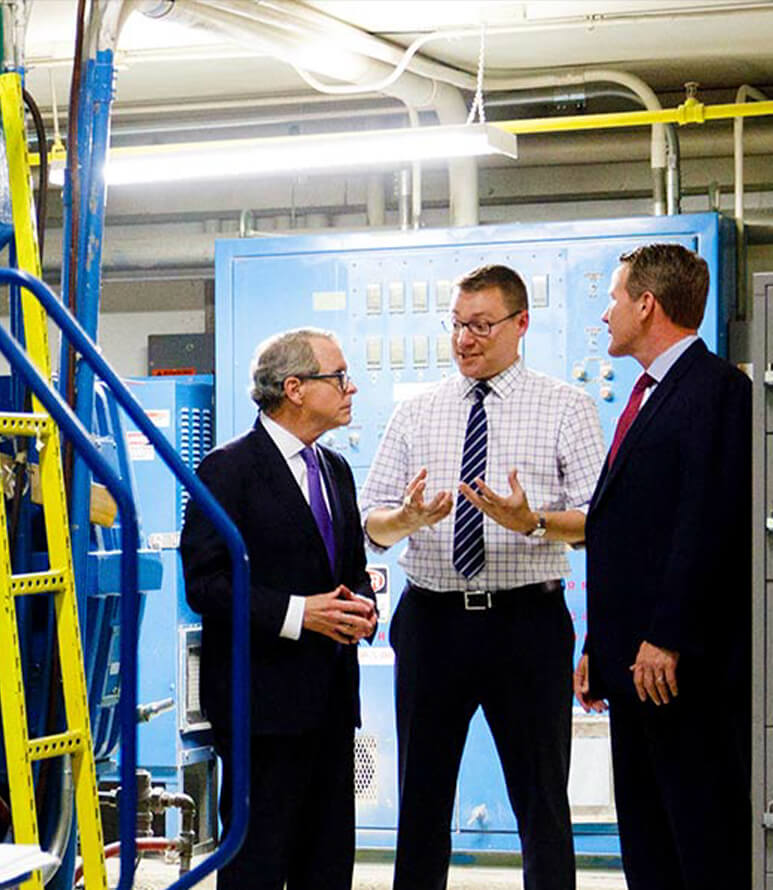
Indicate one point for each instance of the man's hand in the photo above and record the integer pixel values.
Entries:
(654, 673)
(582, 687)
(511, 511)
(415, 513)
(340, 614)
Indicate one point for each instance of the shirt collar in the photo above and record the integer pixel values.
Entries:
(502, 384)
(288, 444)
(666, 360)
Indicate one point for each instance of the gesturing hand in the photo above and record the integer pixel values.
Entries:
(511, 511)
(417, 513)
(340, 614)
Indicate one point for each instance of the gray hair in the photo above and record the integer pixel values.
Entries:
(289, 354)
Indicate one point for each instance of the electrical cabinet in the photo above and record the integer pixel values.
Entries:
(174, 745)
(385, 295)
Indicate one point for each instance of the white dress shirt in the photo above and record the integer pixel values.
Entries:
(545, 428)
(664, 362)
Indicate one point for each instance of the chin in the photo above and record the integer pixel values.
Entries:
(469, 367)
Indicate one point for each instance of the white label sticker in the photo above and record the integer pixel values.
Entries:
(164, 540)
(160, 417)
(378, 656)
(329, 300)
(139, 446)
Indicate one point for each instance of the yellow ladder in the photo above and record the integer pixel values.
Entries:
(58, 581)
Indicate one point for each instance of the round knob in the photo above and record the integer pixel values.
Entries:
(606, 370)
(606, 393)
(354, 439)
(579, 372)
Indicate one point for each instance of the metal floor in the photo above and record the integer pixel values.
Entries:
(155, 874)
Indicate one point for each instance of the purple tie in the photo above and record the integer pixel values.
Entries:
(317, 503)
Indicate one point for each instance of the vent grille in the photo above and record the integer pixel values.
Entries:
(365, 767)
(191, 718)
(195, 440)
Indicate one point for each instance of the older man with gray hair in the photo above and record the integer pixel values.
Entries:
(311, 603)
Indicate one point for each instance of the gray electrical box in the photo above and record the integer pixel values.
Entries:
(181, 354)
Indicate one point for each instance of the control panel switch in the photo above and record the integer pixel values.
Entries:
(420, 351)
(396, 297)
(373, 353)
(373, 302)
(397, 352)
(420, 296)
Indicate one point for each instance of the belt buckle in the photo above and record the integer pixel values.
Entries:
(471, 606)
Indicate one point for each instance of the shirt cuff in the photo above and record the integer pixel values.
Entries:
(369, 542)
(291, 628)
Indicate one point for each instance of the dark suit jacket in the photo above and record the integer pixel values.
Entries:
(291, 680)
(668, 532)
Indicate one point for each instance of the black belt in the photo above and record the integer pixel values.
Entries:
(480, 600)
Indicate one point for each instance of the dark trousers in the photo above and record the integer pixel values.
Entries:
(301, 820)
(682, 780)
(515, 661)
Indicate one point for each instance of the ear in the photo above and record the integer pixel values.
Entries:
(293, 388)
(646, 305)
(522, 323)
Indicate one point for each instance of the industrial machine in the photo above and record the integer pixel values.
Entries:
(385, 295)
(175, 746)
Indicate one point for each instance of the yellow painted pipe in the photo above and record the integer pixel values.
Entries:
(690, 112)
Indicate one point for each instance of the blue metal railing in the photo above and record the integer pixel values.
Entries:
(77, 433)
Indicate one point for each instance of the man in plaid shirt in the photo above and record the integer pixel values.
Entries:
(482, 620)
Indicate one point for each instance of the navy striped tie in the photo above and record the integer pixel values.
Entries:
(469, 553)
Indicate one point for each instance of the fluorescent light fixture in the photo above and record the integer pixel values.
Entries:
(302, 154)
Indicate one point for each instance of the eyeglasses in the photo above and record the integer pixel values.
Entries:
(478, 328)
(343, 378)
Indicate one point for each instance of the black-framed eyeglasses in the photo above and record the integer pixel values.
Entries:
(477, 327)
(342, 377)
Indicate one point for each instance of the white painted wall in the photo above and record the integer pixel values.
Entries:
(123, 336)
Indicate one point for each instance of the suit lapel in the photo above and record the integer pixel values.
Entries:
(285, 495)
(662, 392)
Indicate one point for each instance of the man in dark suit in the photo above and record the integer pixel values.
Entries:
(311, 602)
(669, 587)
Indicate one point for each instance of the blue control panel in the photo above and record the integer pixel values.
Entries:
(385, 295)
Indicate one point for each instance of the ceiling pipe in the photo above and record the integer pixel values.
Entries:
(745, 92)
(464, 80)
(297, 49)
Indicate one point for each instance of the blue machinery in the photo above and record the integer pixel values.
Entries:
(384, 295)
(129, 604)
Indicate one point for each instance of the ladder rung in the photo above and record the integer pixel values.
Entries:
(55, 745)
(38, 582)
(25, 424)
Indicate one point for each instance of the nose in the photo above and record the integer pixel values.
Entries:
(352, 387)
(605, 316)
(464, 337)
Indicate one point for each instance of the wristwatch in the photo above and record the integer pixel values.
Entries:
(540, 530)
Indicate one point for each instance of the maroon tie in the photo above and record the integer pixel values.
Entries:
(629, 414)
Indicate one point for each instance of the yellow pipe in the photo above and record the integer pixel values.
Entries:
(691, 111)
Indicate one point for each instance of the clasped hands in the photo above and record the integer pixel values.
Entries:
(343, 616)
(510, 511)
